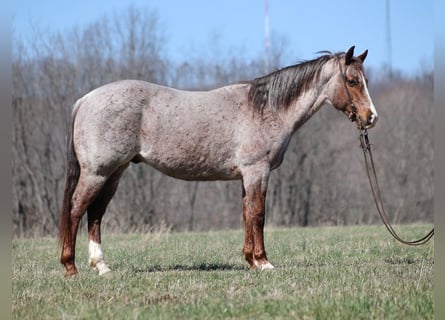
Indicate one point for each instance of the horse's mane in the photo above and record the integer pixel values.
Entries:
(279, 88)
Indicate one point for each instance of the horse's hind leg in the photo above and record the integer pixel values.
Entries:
(95, 213)
(87, 189)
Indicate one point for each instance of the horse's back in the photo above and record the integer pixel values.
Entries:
(193, 135)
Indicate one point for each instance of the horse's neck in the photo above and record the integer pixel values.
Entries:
(308, 103)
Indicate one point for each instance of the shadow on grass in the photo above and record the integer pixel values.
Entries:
(400, 260)
(194, 267)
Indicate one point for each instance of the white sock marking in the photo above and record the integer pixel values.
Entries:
(96, 258)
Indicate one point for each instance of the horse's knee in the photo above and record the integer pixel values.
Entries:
(258, 220)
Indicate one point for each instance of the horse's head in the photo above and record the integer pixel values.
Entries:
(349, 92)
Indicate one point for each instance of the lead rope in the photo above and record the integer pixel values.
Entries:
(371, 172)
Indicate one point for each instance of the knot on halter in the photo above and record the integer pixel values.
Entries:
(364, 140)
(353, 115)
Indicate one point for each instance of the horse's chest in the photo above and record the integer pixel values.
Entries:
(277, 152)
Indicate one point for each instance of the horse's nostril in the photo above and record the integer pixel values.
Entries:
(372, 118)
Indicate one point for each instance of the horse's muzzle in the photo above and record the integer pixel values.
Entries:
(363, 123)
(371, 121)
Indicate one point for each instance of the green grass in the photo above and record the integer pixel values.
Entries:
(321, 273)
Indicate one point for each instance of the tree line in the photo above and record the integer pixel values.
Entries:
(321, 182)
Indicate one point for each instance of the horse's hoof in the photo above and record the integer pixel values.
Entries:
(104, 271)
(266, 266)
(102, 267)
(71, 272)
(263, 266)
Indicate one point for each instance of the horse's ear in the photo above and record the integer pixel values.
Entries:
(362, 57)
(349, 55)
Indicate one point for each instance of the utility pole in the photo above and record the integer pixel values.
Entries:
(266, 37)
(388, 39)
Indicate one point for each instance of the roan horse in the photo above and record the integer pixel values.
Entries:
(239, 131)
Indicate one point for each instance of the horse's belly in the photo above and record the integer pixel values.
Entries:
(190, 166)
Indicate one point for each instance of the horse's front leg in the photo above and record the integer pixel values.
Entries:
(254, 197)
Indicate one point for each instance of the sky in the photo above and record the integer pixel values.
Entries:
(308, 26)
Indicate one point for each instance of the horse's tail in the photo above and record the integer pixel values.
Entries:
(72, 178)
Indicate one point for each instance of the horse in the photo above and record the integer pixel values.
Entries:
(236, 132)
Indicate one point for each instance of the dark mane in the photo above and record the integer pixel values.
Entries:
(279, 88)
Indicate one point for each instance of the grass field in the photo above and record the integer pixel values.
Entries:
(321, 273)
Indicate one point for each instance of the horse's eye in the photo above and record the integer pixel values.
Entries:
(352, 82)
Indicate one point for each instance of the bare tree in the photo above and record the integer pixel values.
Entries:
(49, 74)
